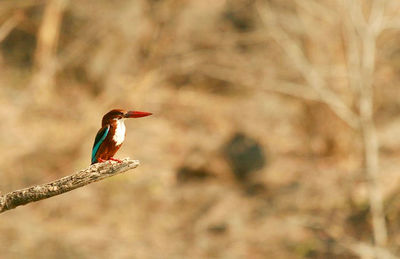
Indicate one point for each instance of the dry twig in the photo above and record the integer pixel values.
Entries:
(363, 66)
(361, 35)
(9, 25)
(361, 249)
(84, 177)
(309, 72)
(47, 43)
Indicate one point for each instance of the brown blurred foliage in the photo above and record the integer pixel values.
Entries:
(298, 96)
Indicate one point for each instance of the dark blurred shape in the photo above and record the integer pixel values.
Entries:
(199, 82)
(218, 229)
(18, 48)
(240, 15)
(187, 174)
(244, 154)
(358, 221)
(255, 189)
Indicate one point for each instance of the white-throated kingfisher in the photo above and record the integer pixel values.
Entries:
(112, 133)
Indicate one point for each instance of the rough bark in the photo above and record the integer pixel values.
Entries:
(68, 183)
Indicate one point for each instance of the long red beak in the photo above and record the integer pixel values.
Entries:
(137, 114)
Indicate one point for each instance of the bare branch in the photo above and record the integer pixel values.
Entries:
(368, 34)
(361, 249)
(68, 183)
(313, 78)
(46, 49)
(10, 24)
(365, 250)
(291, 89)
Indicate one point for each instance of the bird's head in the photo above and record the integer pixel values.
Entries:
(119, 114)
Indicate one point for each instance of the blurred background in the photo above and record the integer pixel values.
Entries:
(275, 131)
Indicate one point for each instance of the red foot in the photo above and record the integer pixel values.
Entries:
(115, 159)
(99, 160)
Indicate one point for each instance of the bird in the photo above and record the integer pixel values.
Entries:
(111, 135)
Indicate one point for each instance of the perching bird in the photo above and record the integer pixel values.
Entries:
(112, 133)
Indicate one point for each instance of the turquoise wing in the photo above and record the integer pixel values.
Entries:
(100, 137)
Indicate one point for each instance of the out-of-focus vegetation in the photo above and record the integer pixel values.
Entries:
(275, 131)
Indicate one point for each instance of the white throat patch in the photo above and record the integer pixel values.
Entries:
(119, 135)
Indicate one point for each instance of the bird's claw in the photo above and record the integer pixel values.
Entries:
(115, 159)
(100, 160)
